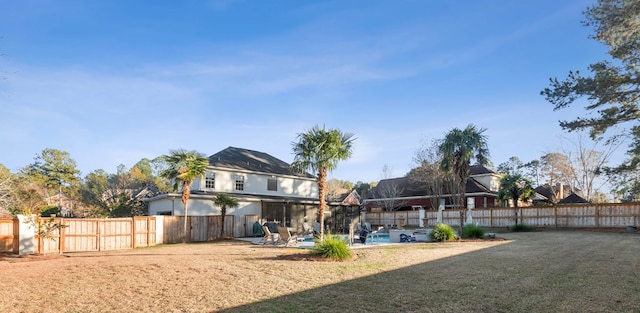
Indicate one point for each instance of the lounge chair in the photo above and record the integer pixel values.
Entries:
(306, 229)
(286, 237)
(268, 237)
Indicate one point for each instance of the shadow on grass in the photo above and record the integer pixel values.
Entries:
(555, 274)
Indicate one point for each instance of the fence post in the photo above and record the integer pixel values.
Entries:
(134, 237)
(159, 225)
(26, 236)
(16, 236)
(148, 231)
(555, 216)
(98, 237)
(62, 236)
(491, 217)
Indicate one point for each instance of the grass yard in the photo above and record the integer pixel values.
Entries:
(550, 271)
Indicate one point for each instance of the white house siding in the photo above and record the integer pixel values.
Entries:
(161, 206)
(491, 181)
(199, 206)
(256, 184)
(250, 198)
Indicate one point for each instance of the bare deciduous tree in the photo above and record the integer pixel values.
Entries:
(428, 176)
(389, 190)
(6, 189)
(587, 158)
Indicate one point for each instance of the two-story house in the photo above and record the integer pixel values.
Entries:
(401, 193)
(266, 188)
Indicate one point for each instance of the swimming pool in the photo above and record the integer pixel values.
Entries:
(377, 238)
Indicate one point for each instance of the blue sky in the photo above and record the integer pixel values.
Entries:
(112, 82)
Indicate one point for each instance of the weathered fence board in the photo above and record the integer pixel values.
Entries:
(9, 235)
(201, 228)
(580, 215)
(80, 235)
(249, 220)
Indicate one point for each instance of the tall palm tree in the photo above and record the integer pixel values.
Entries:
(224, 201)
(458, 148)
(183, 167)
(515, 187)
(319, 150)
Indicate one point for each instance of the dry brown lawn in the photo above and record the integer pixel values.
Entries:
(553, 271)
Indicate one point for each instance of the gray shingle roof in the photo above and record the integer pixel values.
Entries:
(251, 160)
(407, 188)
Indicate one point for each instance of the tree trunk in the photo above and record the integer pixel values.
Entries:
(186, 189)
(463, 202)
(224, 212)
(186, 216)
(322, 184)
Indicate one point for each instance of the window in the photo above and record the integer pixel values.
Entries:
(272, 184)
(239, 182)
(210, 180)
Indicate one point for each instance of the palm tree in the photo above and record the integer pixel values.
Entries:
(319, 150)
(183, 167)
(516, 187)
(458, 148)
(224, 201)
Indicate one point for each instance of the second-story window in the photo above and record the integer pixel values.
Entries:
(272, 184)
(210, 180)
(239, 182)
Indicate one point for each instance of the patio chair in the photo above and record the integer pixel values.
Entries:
(268, 237)
(286, 237)
(306, 229)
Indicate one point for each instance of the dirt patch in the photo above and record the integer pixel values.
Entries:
(546, 271)
(14, 258)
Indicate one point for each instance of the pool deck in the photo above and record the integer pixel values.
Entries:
(311, 244)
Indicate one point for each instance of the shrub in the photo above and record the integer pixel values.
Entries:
(473, 231)
(332, 247)
(443, 232)
(519, 228)
(50, 209)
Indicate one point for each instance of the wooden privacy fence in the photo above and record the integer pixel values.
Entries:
(202, 228)
(579, 215)
(9, 240)
(100, 234)
(410, 218)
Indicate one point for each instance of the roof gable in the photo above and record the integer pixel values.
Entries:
(573, 198)
(251, 160)
(405, 187)
(477, 169)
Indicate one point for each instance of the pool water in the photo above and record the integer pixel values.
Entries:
(377, 238)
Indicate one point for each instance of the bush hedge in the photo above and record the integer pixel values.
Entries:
(443, 232)
(332, 247)
(473, 231)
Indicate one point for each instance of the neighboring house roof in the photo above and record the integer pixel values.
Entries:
(480, 169)
(403, 187)
(547, 191)
(250, 160)
(555, 194)
(145, 192)
(473, 186)
(573, 198)
(346, 197)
